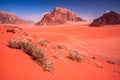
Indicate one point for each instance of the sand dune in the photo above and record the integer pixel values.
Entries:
(103, 43)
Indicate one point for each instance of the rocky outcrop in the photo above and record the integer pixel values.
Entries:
(59, 16)
(9, 18)
(110, 18)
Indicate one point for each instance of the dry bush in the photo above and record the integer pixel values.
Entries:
(44, 42)
(14, 29)
(48, 66)
(15, 43)
(74, 56)
(34, 51)
(59, 46)
(10, 29)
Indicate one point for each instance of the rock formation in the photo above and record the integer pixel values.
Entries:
(9, 18)
(110, 18)
(59, 16)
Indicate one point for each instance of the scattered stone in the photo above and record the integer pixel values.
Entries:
(111, 62)
(93, 57)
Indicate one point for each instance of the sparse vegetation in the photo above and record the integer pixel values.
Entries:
(34, 51)
(73, 55)
(10, 29)
(44, 42)
(15, 29)
(59, 46)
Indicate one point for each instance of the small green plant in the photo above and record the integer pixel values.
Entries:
(34, 51)
(74, 56)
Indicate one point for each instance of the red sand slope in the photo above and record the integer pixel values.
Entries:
(103, 43)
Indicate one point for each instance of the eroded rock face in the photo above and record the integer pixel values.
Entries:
(110, 18)
(59, 16)
(9, 18)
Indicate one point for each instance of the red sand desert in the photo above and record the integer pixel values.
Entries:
(102, 43)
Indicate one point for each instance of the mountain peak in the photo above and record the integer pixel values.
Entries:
(109, 18)
(59, 16)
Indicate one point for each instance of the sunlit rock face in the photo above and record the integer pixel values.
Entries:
(59, 16)
(109, 18)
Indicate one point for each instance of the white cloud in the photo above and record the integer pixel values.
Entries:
(107, 11)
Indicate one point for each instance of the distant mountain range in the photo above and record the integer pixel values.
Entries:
(60, 16)
(9, 18)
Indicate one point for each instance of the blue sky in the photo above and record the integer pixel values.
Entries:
(35, 9)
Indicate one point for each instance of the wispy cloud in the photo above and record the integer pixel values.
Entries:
(34, 18)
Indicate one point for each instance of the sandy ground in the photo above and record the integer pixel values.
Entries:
(103, 43)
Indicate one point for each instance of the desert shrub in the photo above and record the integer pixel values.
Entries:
(33, 50)
(47, 66)
(44, 42)
(74, 56)
(19, 43)
(38, 53)
(10, 29)
(15, 43)
(28, 48)
(14, 29)
(60, 46)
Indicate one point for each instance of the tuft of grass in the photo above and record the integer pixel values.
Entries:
(73, 55)
(34, 51)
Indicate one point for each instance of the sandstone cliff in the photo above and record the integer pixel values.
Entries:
(59, 16)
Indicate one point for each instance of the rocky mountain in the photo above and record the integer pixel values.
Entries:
(59, 16)
(9, 18)
(110, 18)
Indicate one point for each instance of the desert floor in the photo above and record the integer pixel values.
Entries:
(102, 43)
